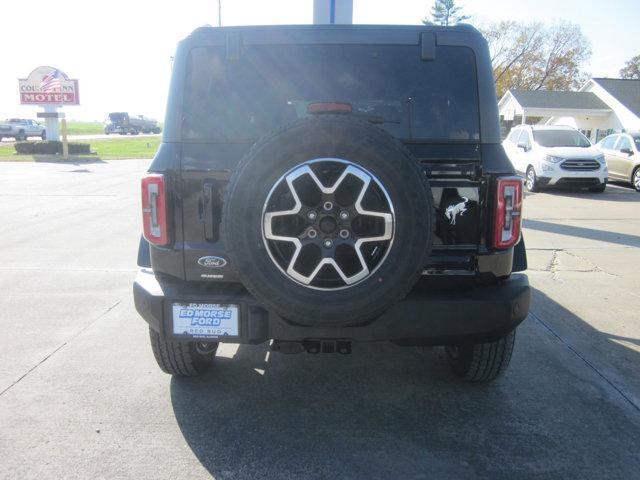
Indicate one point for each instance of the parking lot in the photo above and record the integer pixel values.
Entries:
(82, 397)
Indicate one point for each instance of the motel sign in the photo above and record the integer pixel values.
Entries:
(48, 86)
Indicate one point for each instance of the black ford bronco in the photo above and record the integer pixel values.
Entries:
(323, 185)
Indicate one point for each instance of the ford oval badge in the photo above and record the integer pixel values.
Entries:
(212, 262)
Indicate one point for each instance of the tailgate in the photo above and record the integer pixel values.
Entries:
(453, 171)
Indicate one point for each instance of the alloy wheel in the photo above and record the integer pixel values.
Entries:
(531, 179)
(328, 224)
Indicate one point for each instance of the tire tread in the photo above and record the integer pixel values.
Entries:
(175, 358)
(483, 362)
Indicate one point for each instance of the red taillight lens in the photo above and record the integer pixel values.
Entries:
(329, 107)
(154, 209)
(508, 212)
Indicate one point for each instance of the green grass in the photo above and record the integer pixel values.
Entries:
(125, 147)
(87, 128)
(108, 149)
(84, 128)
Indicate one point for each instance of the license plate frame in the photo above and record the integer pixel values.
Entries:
(205, 320)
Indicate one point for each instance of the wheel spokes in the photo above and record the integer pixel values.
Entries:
(328, 258)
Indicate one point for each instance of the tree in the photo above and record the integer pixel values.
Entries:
(445, 12)
(631, 68)
(535, 56)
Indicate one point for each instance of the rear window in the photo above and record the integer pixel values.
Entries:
(241, 100)
(560, 138)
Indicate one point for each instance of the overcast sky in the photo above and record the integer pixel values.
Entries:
(120, 49)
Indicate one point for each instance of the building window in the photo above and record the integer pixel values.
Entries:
(600, 134)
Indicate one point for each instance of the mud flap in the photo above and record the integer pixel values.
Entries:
(519, 257)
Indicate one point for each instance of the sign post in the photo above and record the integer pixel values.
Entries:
(51, 89)
(51, 122)
(51, 119)
(333, 11)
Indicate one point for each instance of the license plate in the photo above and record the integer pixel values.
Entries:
(205, 320)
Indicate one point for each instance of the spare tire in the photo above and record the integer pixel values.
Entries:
(328, 221)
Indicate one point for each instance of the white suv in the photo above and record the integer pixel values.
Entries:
(555, 156)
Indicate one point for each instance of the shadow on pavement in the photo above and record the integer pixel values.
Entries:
(73, 160)
(589, 233)
(617, 192)
(393, 412)
(621, 185)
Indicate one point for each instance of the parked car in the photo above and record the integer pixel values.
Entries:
(21, 129)
(123, 123)
(555, 156)
(622, 154)
(303, 195)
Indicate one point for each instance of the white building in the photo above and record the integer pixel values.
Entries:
(601, 107)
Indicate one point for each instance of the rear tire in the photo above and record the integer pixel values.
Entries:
(481, 362)
(183, 359)
(21, 137)
(635, 179)
(43, 135)
(531, 181)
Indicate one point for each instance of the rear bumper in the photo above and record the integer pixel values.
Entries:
(481, 314)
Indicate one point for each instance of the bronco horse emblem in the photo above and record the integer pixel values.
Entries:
(458, 209)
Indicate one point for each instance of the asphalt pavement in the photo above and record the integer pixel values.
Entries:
(82, 397)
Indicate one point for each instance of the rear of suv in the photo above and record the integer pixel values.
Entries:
(323, 185)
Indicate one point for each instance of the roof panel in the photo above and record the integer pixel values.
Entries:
(557, 100)
(625, 91)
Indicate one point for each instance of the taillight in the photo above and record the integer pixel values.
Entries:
(329, 107)
(508, 212)
(154, 209)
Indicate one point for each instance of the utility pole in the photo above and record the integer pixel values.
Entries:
(219, 13)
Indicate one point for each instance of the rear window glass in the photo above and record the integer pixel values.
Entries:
(560, 138)
(240, 100)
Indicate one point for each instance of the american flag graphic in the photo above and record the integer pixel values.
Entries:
(51, 83)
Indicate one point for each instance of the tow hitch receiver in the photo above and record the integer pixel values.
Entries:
(311, 346)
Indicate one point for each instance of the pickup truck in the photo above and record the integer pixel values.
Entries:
(21, 129)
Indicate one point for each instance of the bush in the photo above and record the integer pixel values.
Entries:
(24, 148)
(51, 148)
